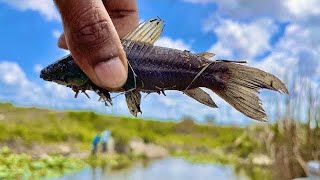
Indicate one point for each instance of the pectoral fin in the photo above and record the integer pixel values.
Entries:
(133, 99)
(147, 32)
(104, 94)
(201, 96)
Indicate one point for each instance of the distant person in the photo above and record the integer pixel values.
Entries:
(104, 140)
(95, 143)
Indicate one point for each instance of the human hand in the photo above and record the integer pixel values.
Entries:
(91, 32)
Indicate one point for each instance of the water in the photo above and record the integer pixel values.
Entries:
(168, 168)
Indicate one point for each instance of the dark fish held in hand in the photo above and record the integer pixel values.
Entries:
(157, 69)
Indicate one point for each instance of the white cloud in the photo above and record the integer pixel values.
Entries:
(291, 10)
(56, 33)
(37, 68)
(302, 9)
(44, 7)
(242, 40)
(221, 51)
(60, 92)
(298, 51)
(14, 83)
(12, 74)
(170, 43)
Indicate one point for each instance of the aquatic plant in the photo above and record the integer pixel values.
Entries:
(23, 166)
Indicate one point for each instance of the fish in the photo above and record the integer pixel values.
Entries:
(155, 69)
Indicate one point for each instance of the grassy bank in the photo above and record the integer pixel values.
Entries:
(31, 125)
(39, 131)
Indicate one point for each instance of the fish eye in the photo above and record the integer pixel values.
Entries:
(63, 67)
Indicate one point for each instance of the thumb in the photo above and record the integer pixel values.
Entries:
(93, 42)
(62, 42)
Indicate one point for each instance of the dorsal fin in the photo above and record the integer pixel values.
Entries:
(206, 55)
(201, 96)
(147, 32)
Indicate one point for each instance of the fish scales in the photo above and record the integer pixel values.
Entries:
(158, 68)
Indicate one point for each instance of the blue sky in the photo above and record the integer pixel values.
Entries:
(278, 36)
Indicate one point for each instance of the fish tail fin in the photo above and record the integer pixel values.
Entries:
(242, 87)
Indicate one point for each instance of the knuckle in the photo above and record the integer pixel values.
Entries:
(91, 28)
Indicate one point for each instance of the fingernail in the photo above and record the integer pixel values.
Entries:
(111, 73)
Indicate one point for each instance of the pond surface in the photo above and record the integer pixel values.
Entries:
(168, 169)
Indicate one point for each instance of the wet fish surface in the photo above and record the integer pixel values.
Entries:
(157, 69)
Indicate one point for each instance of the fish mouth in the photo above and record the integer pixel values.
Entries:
(44, 74)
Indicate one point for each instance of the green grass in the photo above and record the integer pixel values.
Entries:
(29, 126)
(43, 126)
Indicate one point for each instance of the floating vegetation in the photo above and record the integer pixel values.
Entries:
(23, 166)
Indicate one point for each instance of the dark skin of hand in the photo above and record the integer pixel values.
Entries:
(92, 32)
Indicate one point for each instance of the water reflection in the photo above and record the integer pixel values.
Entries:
(169, 169)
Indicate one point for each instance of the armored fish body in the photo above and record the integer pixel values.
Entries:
(157, 69)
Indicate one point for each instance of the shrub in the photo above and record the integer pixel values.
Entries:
(185, 126)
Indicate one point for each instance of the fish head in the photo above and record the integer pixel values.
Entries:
(65, 72)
